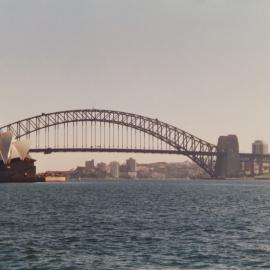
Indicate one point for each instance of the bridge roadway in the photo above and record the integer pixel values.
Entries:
(251, 159)
(243, 156)
(250, 156)
(117, 150)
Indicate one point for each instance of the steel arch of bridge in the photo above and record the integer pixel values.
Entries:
(201, 152)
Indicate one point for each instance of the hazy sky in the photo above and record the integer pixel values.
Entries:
(201, 65)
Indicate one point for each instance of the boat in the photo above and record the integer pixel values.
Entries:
(54, 176)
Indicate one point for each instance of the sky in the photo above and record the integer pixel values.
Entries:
(201, 65)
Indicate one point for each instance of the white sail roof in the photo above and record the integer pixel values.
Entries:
(10, 150)
(13, 153)
(23, 148)
(5, 142)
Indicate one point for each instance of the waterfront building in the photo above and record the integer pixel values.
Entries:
(90, 165)
(132, 174)
(114, 169)
(102, 167)
(16, 165)
(102, 170)
(131, 165)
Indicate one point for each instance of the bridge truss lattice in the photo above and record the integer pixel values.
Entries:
(93, 130)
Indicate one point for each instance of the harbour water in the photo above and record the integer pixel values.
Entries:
(135, 225)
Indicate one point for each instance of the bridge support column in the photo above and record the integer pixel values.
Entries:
(228, 160)
(252, 170)
(260, 161)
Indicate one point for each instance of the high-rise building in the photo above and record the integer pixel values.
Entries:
(90, 165)
(131, 165)
(114, 169)
(260, 148)
(102, 167)
(131, 168)
(101, 170)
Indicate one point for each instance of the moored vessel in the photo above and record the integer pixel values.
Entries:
(54, 176)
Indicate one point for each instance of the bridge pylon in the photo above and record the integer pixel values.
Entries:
(228, 158)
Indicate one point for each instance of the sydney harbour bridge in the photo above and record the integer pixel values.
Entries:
(93, 130)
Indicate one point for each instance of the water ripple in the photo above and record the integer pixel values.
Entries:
(135, 225)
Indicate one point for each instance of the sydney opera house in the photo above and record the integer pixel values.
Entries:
(16, 165)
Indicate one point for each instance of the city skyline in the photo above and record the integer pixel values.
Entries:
(131, 169)
(199, 65)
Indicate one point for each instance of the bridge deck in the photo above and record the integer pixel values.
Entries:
(116, 150)
(250, 156)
